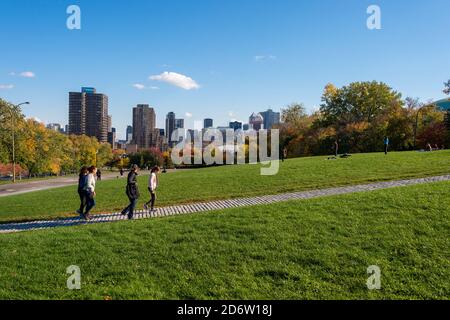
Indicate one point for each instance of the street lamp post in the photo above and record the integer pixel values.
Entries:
(13, 122)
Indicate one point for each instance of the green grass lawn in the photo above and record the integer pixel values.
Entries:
(312, 249)
(233, 181)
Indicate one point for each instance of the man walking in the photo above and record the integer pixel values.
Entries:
(132, 192)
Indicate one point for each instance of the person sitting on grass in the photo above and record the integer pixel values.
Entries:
(82, 182)
(90, 192)
(132, 192)
(152, 185)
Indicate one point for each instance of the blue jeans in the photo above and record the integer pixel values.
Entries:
(90, 204)
(130, 208)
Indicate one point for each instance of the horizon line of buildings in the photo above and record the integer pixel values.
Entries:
(88, 115)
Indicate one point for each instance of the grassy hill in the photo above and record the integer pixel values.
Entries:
(312, 249)
(234, 181)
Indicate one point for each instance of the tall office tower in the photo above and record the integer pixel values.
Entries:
(170, 126)
(236, 125)
(88, 114)
(144, 123)
(109, 123)
(179, 123)
(129, 136)
(112, 138)
(271, 118)
(208, 123)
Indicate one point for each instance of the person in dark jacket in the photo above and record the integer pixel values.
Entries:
(132, 192)
(82, 181)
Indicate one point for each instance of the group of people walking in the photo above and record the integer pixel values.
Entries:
(87, 194)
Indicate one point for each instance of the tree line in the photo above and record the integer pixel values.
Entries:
(358, 116)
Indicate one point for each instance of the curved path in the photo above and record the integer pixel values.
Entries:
(216, 205)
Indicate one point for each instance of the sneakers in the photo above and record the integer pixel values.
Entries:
(145, 207)
(87, 216)
(79, 212)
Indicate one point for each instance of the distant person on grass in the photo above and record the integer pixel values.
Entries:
(99, 175)
(132, 191)
(152, 186)
(90, 192)
(386, 145)
(82, 182)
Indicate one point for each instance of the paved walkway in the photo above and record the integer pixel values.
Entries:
(217, 205)
(24, 186)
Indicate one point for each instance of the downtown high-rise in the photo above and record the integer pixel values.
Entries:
(88, 114)
(144, 126)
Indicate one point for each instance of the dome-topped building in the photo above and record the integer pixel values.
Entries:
(256, 121)
(443, 104)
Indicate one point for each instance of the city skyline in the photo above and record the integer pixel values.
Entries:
(223, 65)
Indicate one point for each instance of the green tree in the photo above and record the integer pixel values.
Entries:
(359, 113)
(447, 87)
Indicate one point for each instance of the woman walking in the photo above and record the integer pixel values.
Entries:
(132, 192)
(152, 185)
(82, 182)
(90, 191)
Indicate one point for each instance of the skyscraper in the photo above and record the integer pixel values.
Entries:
(88, 114)
(109, 124)
(208, 123)
(170, 126)
(271, 118)
(144, 123)
(179, 123)
(112, 138)
(129, 136)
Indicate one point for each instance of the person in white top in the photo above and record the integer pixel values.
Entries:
(90, 191)
(152, 186)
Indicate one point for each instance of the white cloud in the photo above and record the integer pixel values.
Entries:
(265, 58)
(188, 115)
(140, 86)
(28, 74)
(231, 114)
(177, 80)
(6, 86)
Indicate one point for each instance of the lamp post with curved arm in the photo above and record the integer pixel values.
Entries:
(13, 117)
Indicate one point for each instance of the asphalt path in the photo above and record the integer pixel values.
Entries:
(22, 187)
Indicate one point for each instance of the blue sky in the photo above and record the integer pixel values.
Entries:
(244, 55)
